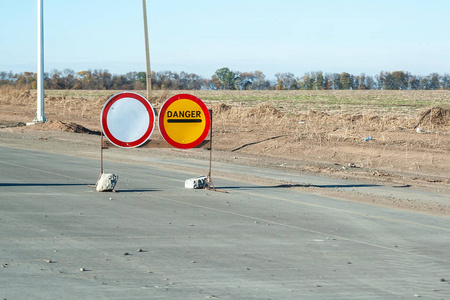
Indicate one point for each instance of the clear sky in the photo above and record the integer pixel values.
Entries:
(201, 36)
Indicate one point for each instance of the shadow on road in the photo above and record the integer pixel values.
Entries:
(137, 191)
(331, 186)
(42, 184)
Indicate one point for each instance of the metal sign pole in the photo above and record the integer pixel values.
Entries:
(101, 161)
(147, 52)
(40, 72)
(101, 153)
(208, 182)
(208, 178)
(210, 143)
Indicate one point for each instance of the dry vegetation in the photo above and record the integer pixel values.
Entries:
(398, 136)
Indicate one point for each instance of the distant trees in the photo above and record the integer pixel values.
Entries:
(286, 81)
(400, 80)
(226, 79)
(255, 80)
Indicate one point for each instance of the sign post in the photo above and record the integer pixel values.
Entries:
(147, 51)
(40, 118)
(184, 122)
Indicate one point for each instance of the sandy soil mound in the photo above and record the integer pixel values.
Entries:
(12, 124)
(434, 116)
(265, 111)
(221, 108)
(66, 127)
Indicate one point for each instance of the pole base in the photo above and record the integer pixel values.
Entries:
(39, 120)
(209, 185)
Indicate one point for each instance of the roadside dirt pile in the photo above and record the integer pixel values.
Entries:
(264, 111)
(65, 127)
(435, 116)
(15, 96)
(311, 120)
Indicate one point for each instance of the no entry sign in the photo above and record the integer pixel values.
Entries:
(127, 120)
(184, 121)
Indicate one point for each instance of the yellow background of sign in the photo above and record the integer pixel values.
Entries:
(184, 133)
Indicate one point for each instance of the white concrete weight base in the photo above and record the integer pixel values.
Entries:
(195, 183)
(107, 182)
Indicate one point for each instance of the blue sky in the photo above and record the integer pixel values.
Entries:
(365, 36)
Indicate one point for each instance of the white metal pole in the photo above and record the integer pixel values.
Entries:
(40, 69)
(147, 51)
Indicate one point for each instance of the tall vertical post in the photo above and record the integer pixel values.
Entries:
(147, 51)
(101, 153)
(210, 142)
(40, 68)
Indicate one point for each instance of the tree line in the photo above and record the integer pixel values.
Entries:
(226, 79)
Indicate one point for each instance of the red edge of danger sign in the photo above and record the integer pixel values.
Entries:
(184, 121)
(127, 120)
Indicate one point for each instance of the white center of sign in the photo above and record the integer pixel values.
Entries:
(128, 119)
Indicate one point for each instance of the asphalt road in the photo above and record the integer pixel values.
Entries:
(154, 239)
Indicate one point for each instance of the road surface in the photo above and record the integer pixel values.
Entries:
(154, 239)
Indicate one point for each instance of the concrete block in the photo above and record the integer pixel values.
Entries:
(107, 182)
(195, 183)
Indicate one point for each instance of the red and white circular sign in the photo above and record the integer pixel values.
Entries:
(127, 120)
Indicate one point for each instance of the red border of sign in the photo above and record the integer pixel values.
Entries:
(162, 113)
(104, 123)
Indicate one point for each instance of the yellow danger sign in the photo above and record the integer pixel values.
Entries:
(184, 121)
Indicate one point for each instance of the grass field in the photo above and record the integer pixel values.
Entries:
(400, 102)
